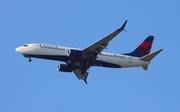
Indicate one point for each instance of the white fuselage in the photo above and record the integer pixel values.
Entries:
(60, 53)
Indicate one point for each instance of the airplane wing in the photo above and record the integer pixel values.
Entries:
(81, 74)
(100, 45)
(92, 51)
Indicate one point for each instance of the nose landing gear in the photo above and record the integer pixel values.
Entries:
(30, 59)
(26, 56)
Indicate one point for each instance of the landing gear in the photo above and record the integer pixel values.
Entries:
(26, 56)
(30, 59)
(87, 61)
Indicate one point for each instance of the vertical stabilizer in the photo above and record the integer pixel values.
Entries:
(143, 49)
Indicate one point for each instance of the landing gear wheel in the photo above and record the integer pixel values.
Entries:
(30, 60)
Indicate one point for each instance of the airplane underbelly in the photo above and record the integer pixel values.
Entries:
(111, 63)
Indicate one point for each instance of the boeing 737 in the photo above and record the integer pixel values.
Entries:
(80, 60)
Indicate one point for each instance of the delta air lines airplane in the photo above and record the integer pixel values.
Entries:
(80, 60)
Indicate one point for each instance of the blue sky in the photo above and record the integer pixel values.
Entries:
(38, 86)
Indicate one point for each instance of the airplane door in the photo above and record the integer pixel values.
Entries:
(130, 60)
(35, 47)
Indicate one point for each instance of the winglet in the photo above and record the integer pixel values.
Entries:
(123, 26)
(85, 81)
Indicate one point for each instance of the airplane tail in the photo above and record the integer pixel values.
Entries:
(143, 49)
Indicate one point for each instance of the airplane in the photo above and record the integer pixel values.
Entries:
(80, 60)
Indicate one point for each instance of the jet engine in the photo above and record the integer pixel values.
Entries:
(64, 68)
(75, 53)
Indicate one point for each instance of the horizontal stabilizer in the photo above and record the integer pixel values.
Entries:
(149, 57)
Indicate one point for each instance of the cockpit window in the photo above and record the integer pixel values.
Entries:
(25, 45)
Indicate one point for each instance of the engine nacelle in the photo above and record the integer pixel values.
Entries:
(75, 53)
(64, 68)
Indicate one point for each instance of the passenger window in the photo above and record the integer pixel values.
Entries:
(25, 45)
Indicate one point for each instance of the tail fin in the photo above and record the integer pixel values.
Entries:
(144, 48)
(149, 57)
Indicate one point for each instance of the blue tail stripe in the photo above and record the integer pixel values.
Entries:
(143, 49)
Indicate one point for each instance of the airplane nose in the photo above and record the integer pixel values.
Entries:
(17, 50)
